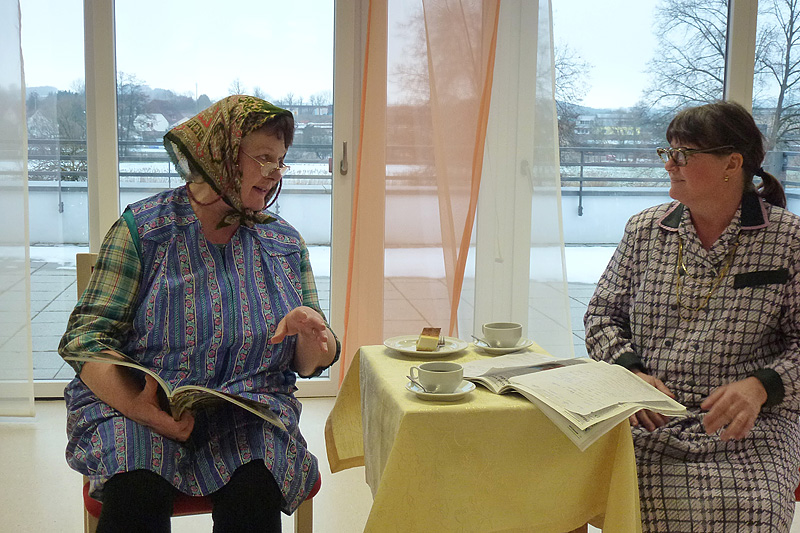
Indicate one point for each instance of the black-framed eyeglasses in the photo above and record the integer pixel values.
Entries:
(268, 167)
(680, 156)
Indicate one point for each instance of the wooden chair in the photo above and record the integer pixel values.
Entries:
(184, 505)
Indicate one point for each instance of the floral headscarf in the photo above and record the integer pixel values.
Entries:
(207, 145)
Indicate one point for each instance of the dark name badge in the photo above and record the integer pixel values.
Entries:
(764, 277)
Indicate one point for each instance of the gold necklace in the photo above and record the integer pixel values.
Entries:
(680, 270)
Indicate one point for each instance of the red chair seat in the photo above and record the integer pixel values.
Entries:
(797, 494)
(184, 504)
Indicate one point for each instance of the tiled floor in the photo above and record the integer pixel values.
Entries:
(52, 299)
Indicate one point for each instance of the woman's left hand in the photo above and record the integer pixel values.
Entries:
(316, 345)
(735, 407)
(304, 322)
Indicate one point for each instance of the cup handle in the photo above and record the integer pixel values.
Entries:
(411, 370)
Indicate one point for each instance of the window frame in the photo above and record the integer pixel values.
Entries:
(350, 18)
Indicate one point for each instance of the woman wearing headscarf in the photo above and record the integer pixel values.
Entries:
(202, 286)
(701, 299)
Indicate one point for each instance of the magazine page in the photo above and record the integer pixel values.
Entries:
(594, 388)
(187, 396)
(497, 373)
(478, 367)
(121, 360)
(582, 438)
(193, 397)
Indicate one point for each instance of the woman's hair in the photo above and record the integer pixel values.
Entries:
(282, 126)
(729, 124)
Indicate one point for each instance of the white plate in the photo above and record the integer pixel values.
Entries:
(407, 344)
(521, 345)
(465, 388)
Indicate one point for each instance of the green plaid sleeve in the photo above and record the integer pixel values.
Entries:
(311, 299)
(103, 317)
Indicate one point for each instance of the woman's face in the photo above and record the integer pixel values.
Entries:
(267, 148)
(701, 180)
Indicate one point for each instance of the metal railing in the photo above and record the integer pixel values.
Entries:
(64, 161)
(585, 167)
(603, 171)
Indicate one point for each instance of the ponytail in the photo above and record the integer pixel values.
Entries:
(770, 189)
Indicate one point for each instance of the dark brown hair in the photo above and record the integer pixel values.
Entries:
(282, 126)
(729, 124)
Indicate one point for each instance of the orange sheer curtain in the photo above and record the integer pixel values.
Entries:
(425, 101)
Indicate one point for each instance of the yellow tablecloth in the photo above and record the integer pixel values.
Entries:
(484, 463)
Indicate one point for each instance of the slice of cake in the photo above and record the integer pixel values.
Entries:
(428, 340)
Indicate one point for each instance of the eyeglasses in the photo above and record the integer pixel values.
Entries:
(680, 156)
(269, 167)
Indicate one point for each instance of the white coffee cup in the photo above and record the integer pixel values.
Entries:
(502, 334)
(439, 377)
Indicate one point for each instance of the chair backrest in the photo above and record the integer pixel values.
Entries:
(84, 265)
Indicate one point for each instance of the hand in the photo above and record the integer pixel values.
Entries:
(306, 323)
(735, 407)
(649, 419)
(146, 410)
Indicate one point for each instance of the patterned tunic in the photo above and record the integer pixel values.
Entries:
(199, 314)
(688, 480)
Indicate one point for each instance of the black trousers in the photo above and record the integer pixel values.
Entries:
(141, 502)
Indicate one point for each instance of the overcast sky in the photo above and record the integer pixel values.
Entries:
(616, 38)
(286, 46)
(277, 45)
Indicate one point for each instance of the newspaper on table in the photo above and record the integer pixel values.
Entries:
(584, 398)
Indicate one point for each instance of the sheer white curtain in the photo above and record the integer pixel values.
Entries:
(520, 273)
(16, 368)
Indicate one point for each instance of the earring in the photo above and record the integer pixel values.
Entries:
(726, 179)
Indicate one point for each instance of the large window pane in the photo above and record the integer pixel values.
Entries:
(52, 42)
(622, 70)
(280, 51)
(775, 93)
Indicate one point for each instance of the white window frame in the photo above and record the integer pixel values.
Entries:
(102, 148)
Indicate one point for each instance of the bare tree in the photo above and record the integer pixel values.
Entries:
(289, 99)
(71, 116)
(321, 98)
(689, 64)
(688, 68)
(131, 102)
(236, 87)
(61, 118)
(778, 67)
(571, 72)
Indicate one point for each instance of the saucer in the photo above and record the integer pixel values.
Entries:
(521, 345)
(465, 388)
(407, 344)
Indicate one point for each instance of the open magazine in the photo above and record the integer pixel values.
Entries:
(185, 397)
(584, 398)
